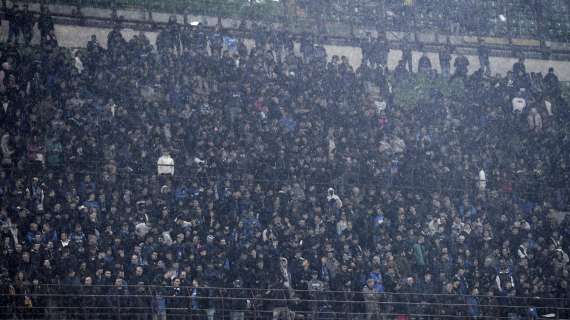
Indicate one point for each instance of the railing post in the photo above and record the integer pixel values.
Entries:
(114, 10)
(78, 5)
(118, 306)
(285, 13)
(509, 24)
(253, 305)
(222, 303)
(381, 26)
(540, 28)
(149, 9)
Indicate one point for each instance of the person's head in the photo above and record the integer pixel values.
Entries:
(314, 275)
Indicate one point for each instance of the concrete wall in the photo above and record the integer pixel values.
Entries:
(77, 36)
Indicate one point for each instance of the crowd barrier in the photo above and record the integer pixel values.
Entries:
(166, 302)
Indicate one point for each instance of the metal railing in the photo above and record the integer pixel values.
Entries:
(541, 20)
(142, 301)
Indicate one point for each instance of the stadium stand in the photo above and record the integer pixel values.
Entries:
(205, 179)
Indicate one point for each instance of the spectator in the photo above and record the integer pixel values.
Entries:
(372, 299)
(482, 182)
(407, 53)
(473, 309)
(444, 55)
(173, 34)
(165, 164)
(367, 47)
(534, 121)
(176, 300)
(519, 101)
(461, 65)
(519, 68)
(27, 25)
(239, 302)
(45, 25)
(483, 53)
(381, 49)
(257, 141)
(424, 64)
(7, 150)
(316, 287)
(552, 84)
(14, 17)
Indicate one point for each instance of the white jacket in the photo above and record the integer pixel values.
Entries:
(482, 183)
(165, 165)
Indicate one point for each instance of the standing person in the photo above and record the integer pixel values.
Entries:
(315, 287)
(551, 83)
(45, 24)
(519, 68)
(176, 301)
(407, 53)
(461, 65)
(89, 304)
(427, 289)
(381, 51)
(238, 301)
(118, 300)
(173, 32)
(483, 52)
(217, 41)
(27, 25)
(472, 301)
(197, 301)
(424, 64)
(279, 293)
(534, 121)
(410, 298)
(371, 299)
(366, 46)
(345, 293)
(198, 39)
(14, 17)
(165, 164)
(444, 55)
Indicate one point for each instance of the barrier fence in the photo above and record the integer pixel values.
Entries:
(30, 301)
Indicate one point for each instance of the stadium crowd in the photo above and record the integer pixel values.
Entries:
(204, 163)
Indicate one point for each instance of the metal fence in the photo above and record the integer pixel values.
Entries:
(162, 302)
